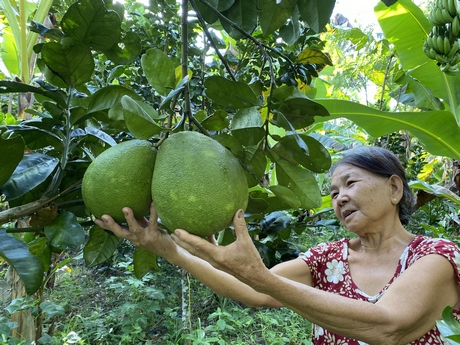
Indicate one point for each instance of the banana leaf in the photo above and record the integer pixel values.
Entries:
(437, 131)
(406, 27)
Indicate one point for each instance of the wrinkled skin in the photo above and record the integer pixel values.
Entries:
(240, 259)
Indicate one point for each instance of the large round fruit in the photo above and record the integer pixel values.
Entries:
(121, 176)
(197, 184)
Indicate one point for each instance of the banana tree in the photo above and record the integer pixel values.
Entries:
(406, 27)
(18, 41)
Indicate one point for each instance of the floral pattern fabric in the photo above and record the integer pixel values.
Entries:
(328, 263)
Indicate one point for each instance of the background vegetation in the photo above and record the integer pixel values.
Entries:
(283, 88)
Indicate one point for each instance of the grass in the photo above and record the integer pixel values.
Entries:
(108, 305)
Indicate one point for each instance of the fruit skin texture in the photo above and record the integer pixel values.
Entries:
(120, 176)
(197, 184)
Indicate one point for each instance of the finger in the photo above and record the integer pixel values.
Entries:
(153, 215)
(153, 219)
(108, 223)
(194, 244)
(239, 224)
(133, 223)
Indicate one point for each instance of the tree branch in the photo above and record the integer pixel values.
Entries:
(24, 210)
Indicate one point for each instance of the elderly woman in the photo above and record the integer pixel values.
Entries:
(386, 286)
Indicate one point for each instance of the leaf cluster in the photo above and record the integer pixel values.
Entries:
(108, 75)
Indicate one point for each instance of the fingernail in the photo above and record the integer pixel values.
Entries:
(125, 213)
(240, 214)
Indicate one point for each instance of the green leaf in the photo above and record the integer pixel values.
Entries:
(225, 237)
(9, 52)
(300, 112)
(51, 309)
(100, 135)
(144, 261)
(300, 181)
(33, 169)
(247, 126)
(416, 94)
(205, 12)
(317, 159)
(437, 190)
(255, 162)
(231, 143)
(230, 94)
(12, 151)
(287, 196)
(65, 232)
(243, 13)
(89, 22)
(313, 55)
(107, 97)
(249, 136)
(36, 138)
(18, 304)
(449, 327)
(316, 12)
(125, 51)
(70, 60)
(257, 202)
(219, 5)
(437, 130)
(41, 249)
(274, 13)
(14, 87)
(217, 121)
(140, 118)
(159, 71)
(29, 267)
(100, 246)
(223, 5)
(247, 118)
(298, 109)
(174, 93)
(290, 32)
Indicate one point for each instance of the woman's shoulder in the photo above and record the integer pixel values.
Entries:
(424, 245)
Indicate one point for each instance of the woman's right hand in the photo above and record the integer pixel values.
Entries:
(141, 232)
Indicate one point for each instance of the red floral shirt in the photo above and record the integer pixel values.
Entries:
(328, 263)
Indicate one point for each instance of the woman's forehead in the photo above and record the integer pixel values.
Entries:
(346, 169)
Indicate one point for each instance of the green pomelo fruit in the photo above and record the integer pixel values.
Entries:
(121, 176)
(197, 184)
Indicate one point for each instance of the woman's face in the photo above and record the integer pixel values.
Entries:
(361, 199)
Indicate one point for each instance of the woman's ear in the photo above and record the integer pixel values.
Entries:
(397, 187)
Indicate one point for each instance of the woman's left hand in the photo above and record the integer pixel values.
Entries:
(240, 258)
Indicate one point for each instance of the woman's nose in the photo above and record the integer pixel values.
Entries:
(341, 199)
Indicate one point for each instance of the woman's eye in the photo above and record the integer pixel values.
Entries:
(349, 183)
(334, 195)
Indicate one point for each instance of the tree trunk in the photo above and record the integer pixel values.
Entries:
(24, 318)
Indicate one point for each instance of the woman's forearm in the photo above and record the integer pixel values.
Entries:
(220, 282)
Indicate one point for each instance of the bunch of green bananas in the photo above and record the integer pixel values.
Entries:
(442, 43)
